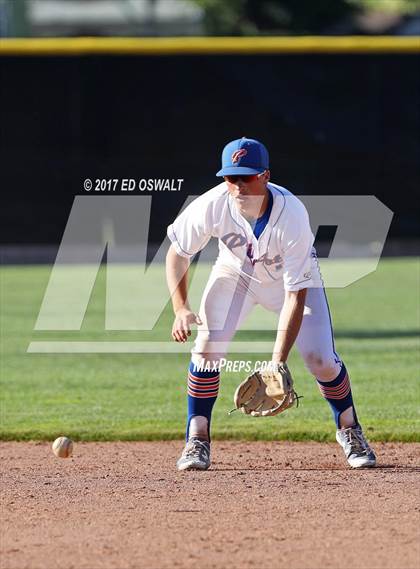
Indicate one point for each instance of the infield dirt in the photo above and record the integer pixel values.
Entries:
(262, 505)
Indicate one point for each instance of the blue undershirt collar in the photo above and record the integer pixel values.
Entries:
(262, 221)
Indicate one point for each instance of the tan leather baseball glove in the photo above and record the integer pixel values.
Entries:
(266, 393)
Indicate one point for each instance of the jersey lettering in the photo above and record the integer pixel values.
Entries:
(282, 253)
(233, 240)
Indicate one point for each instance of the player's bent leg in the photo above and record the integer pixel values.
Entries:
(349, 433)
(224, 305)
(316, 345)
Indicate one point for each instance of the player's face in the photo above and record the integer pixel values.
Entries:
(247, 185)
(243, 188)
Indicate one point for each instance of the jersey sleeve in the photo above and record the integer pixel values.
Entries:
(297, 242)
(192, 229)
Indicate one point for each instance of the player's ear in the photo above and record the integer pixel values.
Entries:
(267, 176)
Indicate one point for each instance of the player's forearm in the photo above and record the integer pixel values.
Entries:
(289, 324)
(177, 279)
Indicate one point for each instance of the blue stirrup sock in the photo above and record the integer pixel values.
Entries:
(203, 388)
(338, 394)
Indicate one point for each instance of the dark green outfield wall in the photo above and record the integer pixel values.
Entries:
(334, 124)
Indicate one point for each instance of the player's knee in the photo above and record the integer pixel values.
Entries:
(209, 346)
(322, 367)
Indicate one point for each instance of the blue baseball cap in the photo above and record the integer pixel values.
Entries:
(244, 156)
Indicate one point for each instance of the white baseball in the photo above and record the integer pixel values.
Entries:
(62, 447)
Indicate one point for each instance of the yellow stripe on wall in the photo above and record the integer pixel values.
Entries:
(209, 45)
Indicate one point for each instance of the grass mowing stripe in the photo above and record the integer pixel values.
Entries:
(142, 397)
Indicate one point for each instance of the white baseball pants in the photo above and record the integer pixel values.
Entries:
(228, 299)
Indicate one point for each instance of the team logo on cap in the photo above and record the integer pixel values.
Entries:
(238, 154)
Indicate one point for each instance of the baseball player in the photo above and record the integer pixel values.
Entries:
(266, 257)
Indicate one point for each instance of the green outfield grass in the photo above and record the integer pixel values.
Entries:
(142, 396)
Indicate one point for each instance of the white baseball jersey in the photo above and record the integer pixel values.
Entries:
(283, 253)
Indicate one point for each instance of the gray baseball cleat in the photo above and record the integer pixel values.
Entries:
(195, 456)
(356, 448)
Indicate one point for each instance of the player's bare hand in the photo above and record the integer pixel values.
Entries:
(181, 328)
